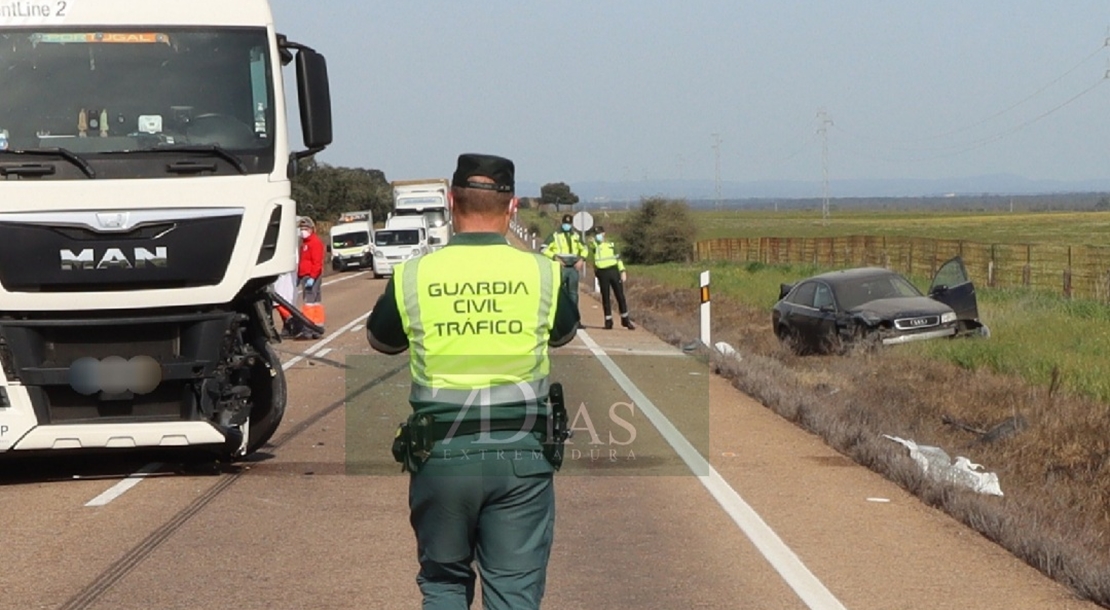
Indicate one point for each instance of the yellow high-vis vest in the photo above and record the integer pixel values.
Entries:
(478, 319)
(605, 256)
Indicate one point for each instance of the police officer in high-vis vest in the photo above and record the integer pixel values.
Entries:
(477, 318)
(566, 247)
(610, 274)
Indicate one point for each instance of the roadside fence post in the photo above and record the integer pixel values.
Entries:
(705, 330)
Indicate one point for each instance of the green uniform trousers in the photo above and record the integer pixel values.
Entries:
(482, 511)
(570, 280)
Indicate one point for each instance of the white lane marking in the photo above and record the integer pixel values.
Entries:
(786, 563)
(120, 488)
(323, 342)
(344, 278)
(626, 351)
(323, 352)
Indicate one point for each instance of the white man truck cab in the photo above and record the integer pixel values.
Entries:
(351, 241)
(427, 198)
(145, 180)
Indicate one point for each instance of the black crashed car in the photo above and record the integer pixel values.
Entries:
(874, 306)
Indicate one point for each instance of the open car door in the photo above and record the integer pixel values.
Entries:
(952, 286)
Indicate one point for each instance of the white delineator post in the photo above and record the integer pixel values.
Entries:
(705, 334)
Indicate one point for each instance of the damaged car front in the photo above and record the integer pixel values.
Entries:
(901, 320)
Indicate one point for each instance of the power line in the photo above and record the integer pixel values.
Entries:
(1039, 91)
(960, 148)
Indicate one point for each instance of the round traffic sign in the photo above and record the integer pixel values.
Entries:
(583, 221)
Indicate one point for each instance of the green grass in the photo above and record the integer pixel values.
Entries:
(1071, 228)
(1031, 333)
(1068, 228)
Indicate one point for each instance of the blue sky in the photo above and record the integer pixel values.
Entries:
(620, 90)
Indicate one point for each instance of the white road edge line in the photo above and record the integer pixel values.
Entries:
(134, 479)
(778, 554)
(120, 488)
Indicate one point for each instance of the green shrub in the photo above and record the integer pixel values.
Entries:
(659, 231)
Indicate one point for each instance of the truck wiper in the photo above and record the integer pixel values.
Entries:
(61, 153)
(209, 149)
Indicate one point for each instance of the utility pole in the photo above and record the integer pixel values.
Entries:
(823, 129)
(717, 172)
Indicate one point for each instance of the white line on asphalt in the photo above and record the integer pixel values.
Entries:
(323, 342)
(118, 489)
(322, 353)
(344, 278)
(626, 351)
(786, 563)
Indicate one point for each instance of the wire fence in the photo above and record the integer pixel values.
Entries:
(1081, 272)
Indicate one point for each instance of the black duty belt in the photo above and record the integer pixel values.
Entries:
(442, 430)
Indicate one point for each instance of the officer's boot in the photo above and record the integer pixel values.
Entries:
(608, 322)
(627, 323)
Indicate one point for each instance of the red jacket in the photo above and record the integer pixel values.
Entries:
(312, 257)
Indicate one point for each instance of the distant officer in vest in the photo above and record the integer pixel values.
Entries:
(610, 274)
(566, 247)
(477, 318)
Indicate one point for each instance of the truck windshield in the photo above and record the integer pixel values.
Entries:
(117, 91)
(397, 237)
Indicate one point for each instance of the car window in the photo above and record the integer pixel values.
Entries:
(864, 290)
(823, 297)
(903, 288)
(951, 274)
(803, 295)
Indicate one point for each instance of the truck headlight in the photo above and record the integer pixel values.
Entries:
(415, 253)
(945, 318)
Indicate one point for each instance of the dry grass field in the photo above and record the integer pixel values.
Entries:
(1049, 447)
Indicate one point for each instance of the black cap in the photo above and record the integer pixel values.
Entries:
(568, 218)
(498, 169)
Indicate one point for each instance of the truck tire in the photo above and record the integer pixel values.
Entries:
(268, 391)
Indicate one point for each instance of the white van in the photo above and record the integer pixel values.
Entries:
(350, 241)
(394, 245)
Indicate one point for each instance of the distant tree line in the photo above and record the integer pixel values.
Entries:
(324, 192)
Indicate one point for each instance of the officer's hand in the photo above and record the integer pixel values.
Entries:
(624, 276)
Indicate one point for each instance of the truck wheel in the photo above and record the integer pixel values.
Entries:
(336, 265)
(268, 392)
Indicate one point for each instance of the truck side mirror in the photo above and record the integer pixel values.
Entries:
(314, 97)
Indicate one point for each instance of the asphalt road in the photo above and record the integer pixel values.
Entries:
(679, 492)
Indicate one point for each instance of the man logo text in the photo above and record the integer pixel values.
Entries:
(113, 258)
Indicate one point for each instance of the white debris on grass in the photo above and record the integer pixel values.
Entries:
(726, 350)
(937, 465)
